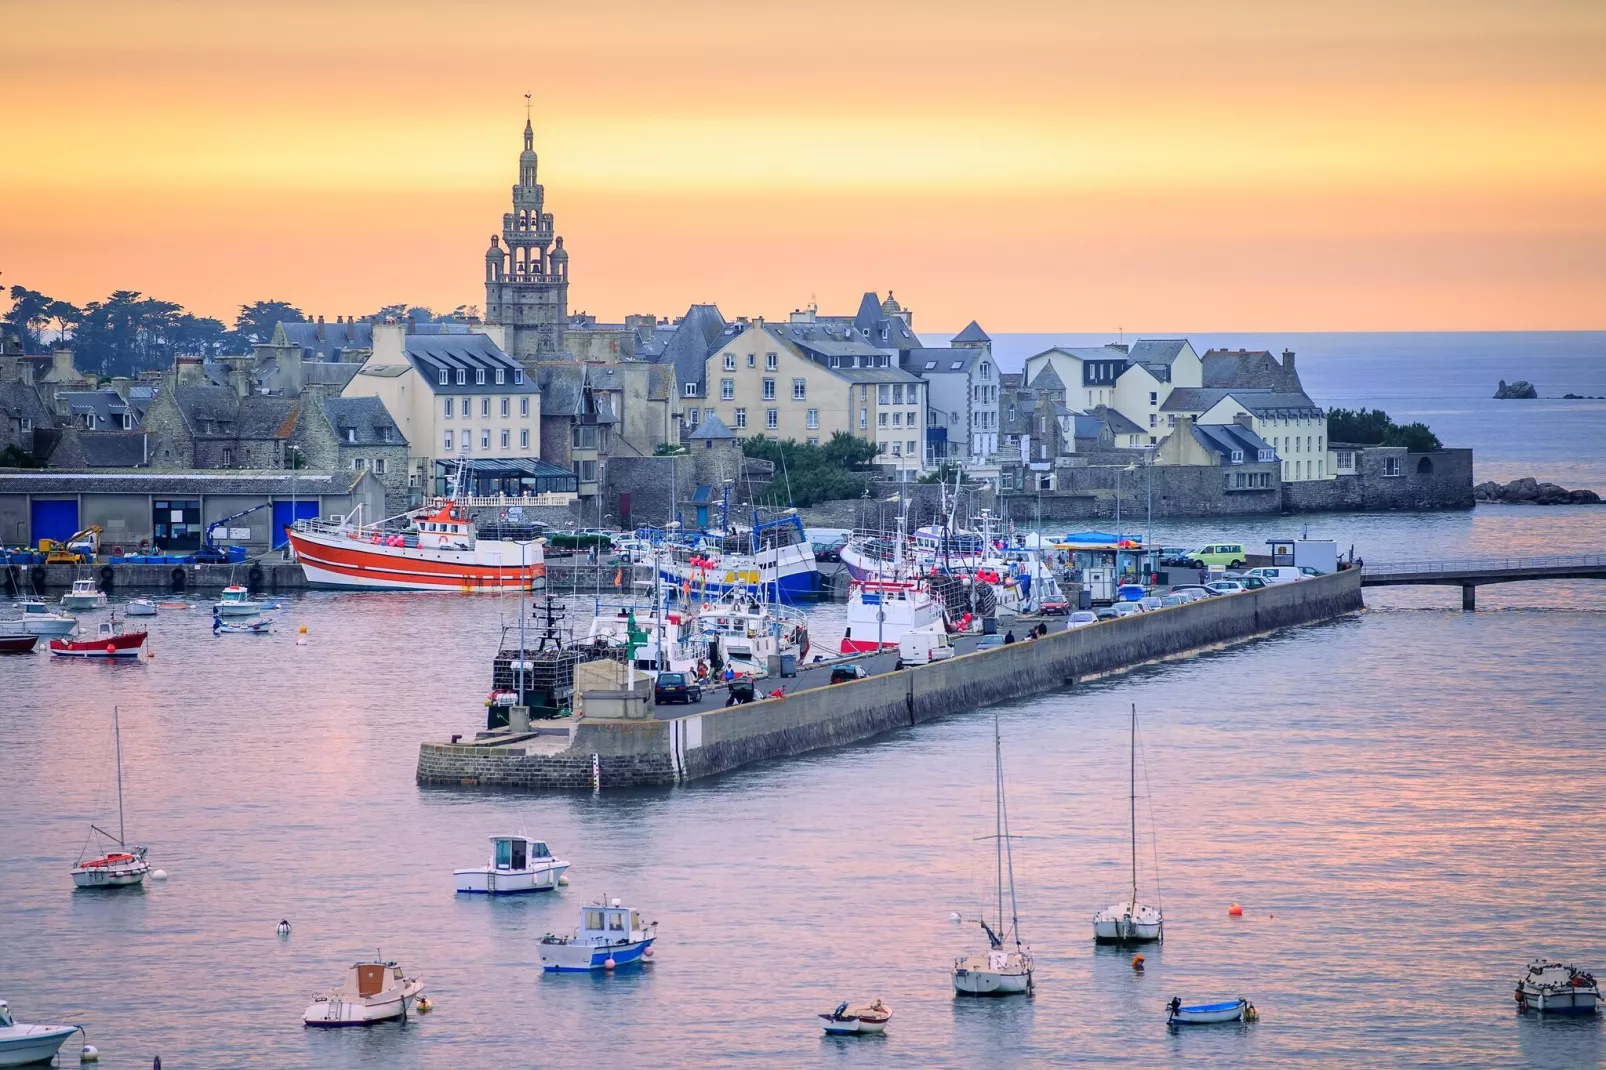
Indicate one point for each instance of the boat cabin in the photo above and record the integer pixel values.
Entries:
(235, 593)
(367, 979)
(85, 587)
(517, 852)
(445, 529)
(5, 1016)
(610, 924)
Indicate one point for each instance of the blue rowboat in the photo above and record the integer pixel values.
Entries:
(1235, 1010)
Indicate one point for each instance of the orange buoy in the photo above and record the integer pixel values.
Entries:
(1137, 963)
(1235, 911)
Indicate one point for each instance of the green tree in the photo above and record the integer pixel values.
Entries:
(67, 316)
(256, 320)
(807, 474)
(28, 315)
(1374, 427)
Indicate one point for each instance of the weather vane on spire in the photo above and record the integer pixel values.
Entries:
(526, 107)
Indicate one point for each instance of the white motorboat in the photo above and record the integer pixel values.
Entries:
(1232, 1010)
(140, 607)
(374, 991)
(1552, 988)
(236, 601)
(1001, 970)
(750, 631)
(38, 619)
(517, 864)
(657, 639)
(84, 595)
(1130, 922)
(609, 935)
(868, 1020)
(22, 1044)
(119, 868)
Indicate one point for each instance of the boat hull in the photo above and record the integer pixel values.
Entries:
(855, 1028)
(334, 1013)
(485, 881)
(1572, 1000)
(82, 602)
(1210, 1013)
(127, 645)
(48, 627)
(337, 562)
(115, 876)
(25, 1045)
(18, 644)
(969, 982)
(1124, 931)
(584, 958)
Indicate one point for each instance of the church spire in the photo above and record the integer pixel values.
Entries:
(529, 131)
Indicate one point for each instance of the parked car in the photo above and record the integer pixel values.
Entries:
(843, 673)
(1105, 613)
(1057, 608)
(1193, 591)
(829, 549)
(987, 642)
(1225, 587)
(676, 687)
(1219, 555)
(1169, 600)
(1081, 619)
(1277, 574)
(1251, 583)
(1307, 571)
(1127, 609)
(1149, 602)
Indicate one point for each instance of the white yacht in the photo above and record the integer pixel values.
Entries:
(1130, 922)
(120, 868)
(236, 601)
(1000, 970)
(84, 595)
(374, 991)
(22, 1044)
(1552, 988)
(609, 935)
(517, 864)
(38, 619)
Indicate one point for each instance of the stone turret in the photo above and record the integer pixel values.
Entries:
(527, 282)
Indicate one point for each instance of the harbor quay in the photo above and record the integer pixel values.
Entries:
(609, 752)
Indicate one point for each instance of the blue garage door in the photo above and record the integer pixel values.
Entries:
(54, 519)
(283, 517)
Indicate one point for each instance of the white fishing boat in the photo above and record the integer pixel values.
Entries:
(517, 864)
(1130, 922)
(752, 630)
(121, 868)
(236, 601)
(84, 595)
(23, 1044)
(1001, 970)
(1553, 988)
(374, 991)
(868, 1020)
(881, 611)
(610, 935)
(655, 639)
(1232, 1010)
(39, 619)
(140, 607)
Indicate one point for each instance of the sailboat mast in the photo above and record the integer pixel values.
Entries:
(998, 818)
(117, 740)
(1009, 848)
(1133, 800)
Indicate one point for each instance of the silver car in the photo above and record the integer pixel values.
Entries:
(1127, 609)
(1081, 619)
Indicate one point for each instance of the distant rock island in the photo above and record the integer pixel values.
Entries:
(1529, 491)
(1522, 388)
(1581, 397)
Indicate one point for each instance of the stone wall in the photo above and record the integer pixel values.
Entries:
(1091, 492)
(636, 753)
(655, 485)
(1441, 479)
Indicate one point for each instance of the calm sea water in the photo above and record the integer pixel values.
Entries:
(1407, 804)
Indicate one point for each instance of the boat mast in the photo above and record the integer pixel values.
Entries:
(117, 738)
(998, 815)
(1009, 849)
(1133, 802)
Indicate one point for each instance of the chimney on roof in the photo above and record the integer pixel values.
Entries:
(1244, 420)
(1290, 375)
(320, 328)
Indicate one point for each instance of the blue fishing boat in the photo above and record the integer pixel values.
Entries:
(609, 935)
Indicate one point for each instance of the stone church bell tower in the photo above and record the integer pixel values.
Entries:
(527, 271)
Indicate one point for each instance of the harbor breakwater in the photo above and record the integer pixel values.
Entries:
(608, 753)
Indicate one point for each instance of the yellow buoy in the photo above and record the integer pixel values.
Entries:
(303, 629)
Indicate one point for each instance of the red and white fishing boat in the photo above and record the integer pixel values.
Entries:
(438, 550)
(110, 641)
(881, 611)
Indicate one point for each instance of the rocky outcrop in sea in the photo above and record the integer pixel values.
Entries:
(1521, 389)
(1529, 491)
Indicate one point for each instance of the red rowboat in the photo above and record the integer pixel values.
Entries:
(110, 642)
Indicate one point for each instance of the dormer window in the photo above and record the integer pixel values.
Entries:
(518, 376)
(691, 390)
(479, 376)
(443, 376)
(1237, 456)
(501, 376)
(351, 434)
(462, 376)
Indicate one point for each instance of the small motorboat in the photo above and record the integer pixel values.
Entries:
(84, 595)
(236, 601)
(110, 641)
(1552, 988)
(175, 605)
(517, 864)
(140, 607)
(254, 627)
(38, 619)
(1232, 1010)
(17, 644)
(22, 1044)
(848, 1021)
(609, 935)
(374, 991)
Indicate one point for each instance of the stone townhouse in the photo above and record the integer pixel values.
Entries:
(962, 384)
(357, 434)
(1134, 381)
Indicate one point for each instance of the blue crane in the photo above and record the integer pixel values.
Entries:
(213, 554)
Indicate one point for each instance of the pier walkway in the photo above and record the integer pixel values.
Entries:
(1471, 573)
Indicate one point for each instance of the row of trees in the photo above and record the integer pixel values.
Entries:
(804, 474)
(128, 332)
(1374, 427)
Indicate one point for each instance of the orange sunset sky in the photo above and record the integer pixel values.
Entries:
(1037, 166)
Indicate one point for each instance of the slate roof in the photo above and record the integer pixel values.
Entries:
(308, 482)
(1223, 439)
(874, 316)
(471, 353)
(711, 427)
(1254, 369)
(945, 358)
(1119, 424)
(827, 339)
(336, 336)
(1047, 379)
(106, 405)
(367, 416)
(971, 334)
(1087, 426)
(874, 375)
(217, 412)
(114, 449)
(701, 331)
(1157, 350)
(18, 399)
(1292, 404)
(563, 391)
(1193, 398)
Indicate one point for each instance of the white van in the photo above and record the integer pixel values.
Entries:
(1279, 574)
(922, 646)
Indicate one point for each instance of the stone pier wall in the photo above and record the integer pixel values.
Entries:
(660, 752)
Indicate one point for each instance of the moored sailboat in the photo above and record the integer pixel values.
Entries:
(125, 866)
(1130, 922)
(1000, 970)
